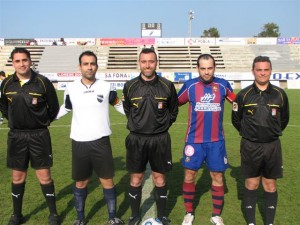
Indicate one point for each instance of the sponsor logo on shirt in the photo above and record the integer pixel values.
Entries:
(206, 104)
(207, 97)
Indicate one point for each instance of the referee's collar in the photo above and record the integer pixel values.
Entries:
(153, 81)
(31, 79)
(268, 89)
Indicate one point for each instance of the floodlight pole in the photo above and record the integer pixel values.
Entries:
(191, 17)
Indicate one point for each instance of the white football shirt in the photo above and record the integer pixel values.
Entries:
(90, 107)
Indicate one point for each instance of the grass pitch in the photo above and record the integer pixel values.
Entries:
(36, 212)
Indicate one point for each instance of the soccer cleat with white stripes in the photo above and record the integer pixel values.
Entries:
(216, 220)
(188, 219)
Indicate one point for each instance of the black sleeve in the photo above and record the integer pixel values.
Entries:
(237, 112)
(3, 101)
(285, 113)
(126, 101)
(68, 103)
(113, 96)
(52, 100)
(173, 104)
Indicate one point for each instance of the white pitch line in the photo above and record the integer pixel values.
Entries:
(148, 206)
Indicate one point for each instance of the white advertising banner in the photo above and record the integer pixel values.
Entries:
(266, 41)
(168, 75)
(116, 76)
(118, 85)
(46, 41)
(68, 76)
(51, 76)
(291, 77)
(293, 84)
(169, 41)
(249, 76)
(231, 41)
(80, 41)
(247, 83)
(199, 41)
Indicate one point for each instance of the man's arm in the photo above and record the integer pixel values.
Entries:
(126, 101)
(183, 95)
(173, 105)
(116, 102)
(52, 100)
(237, 112)
(66, 107)
(285, 113)
(3, 102)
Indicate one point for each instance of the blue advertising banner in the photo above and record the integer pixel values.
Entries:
(182, 76)
(288, 40)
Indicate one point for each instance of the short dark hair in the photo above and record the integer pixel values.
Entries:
(20, 50)
(2, 73)
(147, 51)
(261, 59)
(88, 53)
(205, 56)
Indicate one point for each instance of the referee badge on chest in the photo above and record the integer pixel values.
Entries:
(160, 105)
(34, 101)
(274, 112)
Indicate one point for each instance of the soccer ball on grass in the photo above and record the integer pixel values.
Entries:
(152, 221)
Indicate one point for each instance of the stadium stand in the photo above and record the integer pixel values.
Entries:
(4, 59)
(123, 58)
(6, 63)
(283, 57)
(60, 59)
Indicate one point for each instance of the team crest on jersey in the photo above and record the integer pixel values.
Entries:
(100, 98)
(235, 106)
(274, 112)
(160, 105)
(189, 150)
(34, 101)
(215, 88)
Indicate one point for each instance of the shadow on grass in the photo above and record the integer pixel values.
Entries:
(176, 178)
(240, 180)
(92, 186)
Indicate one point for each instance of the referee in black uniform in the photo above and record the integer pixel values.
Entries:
(260, 114)
(29, 103)
(151, 106)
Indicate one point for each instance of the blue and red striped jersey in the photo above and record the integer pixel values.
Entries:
(206, 108)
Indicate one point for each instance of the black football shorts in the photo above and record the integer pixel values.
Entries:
(29, 145)
(155, 149)
(92, 155)
(261, 159)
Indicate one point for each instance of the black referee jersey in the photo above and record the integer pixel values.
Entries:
(260, 116)
(150, 106)
(32, 105)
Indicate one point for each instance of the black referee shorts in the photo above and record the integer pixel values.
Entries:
(29, 145)
(156, 149)
(261, 159)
